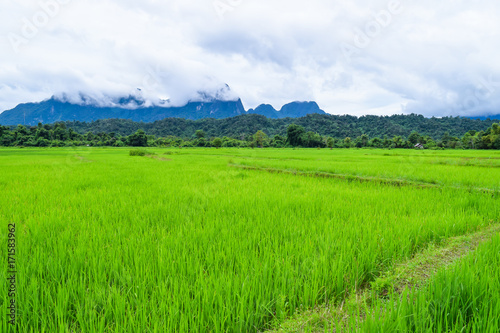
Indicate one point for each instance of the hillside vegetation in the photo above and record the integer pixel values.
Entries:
(254, 131)
(338, 127)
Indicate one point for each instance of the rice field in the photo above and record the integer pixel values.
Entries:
(208, 240)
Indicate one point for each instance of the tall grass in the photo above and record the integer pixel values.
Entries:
(107, 242)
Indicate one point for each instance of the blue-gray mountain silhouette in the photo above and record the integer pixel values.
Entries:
(54, 110)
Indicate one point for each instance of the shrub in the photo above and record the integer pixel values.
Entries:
(138, 152)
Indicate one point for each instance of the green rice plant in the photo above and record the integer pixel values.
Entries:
(118, 244)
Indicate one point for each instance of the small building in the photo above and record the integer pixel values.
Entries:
(419, 146)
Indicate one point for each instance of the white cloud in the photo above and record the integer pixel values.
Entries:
(349, 56)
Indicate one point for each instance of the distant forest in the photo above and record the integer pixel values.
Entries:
(398, 131)
(338, 127)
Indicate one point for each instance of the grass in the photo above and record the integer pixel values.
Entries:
(463, 298)
(112, 243)
(408, 276)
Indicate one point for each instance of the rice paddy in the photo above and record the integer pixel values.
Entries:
(193, 240)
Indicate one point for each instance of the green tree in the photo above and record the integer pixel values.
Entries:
(414, 138)
(376, 143)
(42, 133)
(347, 142)
(312, 140)
(398, 142)
(278, 141)
(60, 133)
(495, 129)
(72, 134)
(217, 143)
(199, 134)
(294, 134)
(387, 142)
(89, 136)
(330, 142)
(7, 139)
(496, 142)
(200, 142)
(22, 130)
(362, 141)
(260, 138)
(138, 139)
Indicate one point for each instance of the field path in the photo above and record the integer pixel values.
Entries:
(361, 179)
(410, 275)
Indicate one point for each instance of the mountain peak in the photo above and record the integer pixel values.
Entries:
(83, 107)
(292, 110)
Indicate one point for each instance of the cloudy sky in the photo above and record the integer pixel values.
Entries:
(355, 57)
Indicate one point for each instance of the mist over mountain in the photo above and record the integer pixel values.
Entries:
(220, 104)
(54, 110)
(136, 108)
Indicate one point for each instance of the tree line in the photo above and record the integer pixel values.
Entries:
(60, 135)
(338, 127)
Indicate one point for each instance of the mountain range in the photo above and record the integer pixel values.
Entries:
(494, 116)
(55, 110)
(136, 109)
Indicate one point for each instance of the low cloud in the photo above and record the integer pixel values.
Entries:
(358, 57)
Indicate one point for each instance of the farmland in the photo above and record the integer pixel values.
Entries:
(231, 240)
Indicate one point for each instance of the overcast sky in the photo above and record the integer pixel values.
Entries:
(355, 57)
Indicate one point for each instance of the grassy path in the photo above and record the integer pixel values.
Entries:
(322, 174)
(347, 177)
(409, 275)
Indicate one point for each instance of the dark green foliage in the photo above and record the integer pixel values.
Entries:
(199, 134)
(330, 142)
(217, 142)
(138, 139)
(338, 127)
(260, 139)
(312, 131)
(311, 140)
(138, 152)
(295, 135)
(414, 138)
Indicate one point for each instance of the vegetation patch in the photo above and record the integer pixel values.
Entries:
(242, 131)
(140, 152)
